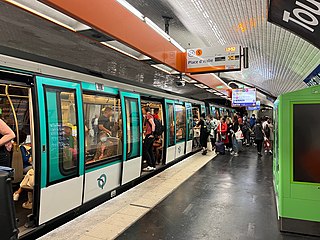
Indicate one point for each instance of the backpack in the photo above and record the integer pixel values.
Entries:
(267, 130)
(159, 128)
(208, 126)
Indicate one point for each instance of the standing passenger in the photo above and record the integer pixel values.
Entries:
(235, 128)
(229, 135)
(259, 136)
(149, 139)
(104, 120)
(6, 135)
(222, 131)
(203, 133)
(213, 130)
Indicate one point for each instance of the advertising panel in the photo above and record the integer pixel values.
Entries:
(244, 97)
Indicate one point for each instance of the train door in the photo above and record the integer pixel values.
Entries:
(180, 133)
(62, 143)
(132, 127)
(170, 131)
(189, 128)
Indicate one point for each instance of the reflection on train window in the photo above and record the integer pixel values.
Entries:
(180, 122)
(171, 124)
(133, 127)
(190, 123)
(62, 133)
(103, 125)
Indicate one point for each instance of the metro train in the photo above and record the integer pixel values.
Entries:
(57, 109)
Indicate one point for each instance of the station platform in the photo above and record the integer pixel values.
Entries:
(202, 197)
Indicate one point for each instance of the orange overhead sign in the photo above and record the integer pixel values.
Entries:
(201, 60)
(111, 18)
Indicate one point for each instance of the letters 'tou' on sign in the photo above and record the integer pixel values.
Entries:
(300, 17)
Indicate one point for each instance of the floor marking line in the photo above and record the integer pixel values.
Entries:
(187, 210)
(137, 205)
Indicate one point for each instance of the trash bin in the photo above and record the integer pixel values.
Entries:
(8, 222)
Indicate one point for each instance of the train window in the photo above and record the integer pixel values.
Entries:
(62, 139)
(133, 127)
(190, 124)
(180, 123)
(103, 125)
(171, 125)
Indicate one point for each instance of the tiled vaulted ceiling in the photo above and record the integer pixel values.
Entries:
(278, 59)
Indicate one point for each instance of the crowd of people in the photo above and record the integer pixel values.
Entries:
(231, 134)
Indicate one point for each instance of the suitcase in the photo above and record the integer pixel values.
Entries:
(220, 148)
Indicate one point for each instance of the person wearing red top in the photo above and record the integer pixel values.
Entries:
(222, 131)
(156, 114)
(149, 139)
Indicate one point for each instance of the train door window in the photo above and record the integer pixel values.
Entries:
(190, 124)
(157, 113)
(180, 123)
(133, 127)
(103, 125)
(61, 114)
(171, 124)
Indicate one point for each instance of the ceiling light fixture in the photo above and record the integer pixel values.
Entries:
(177, 45)
(157, 28)
(132, 9)
(200, 85)
(49, 14)
(119, 50)
(210, 90)
(161, 68)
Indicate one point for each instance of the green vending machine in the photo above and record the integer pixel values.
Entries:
(296, 165)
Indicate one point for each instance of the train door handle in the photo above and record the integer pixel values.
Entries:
(43, 148)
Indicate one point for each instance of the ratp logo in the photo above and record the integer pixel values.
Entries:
(102, 181)
(191, 53)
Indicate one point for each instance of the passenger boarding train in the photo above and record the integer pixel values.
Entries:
(59, 111)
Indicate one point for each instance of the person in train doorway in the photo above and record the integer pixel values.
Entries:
(259, 136)
(104, 122)
(203, 133)
(156, 114)
(149, 139)
(6, 136)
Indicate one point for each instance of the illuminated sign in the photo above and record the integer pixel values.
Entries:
(256, 107)
(244, 97)
(201, 60)
(300, 17)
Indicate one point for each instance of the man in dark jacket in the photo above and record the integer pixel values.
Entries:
(259, 136)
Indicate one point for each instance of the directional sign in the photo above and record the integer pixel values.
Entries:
(300, 17)
(201, 60)
(244, 97)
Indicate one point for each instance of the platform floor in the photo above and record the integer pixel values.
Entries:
(202, 197)
(230, 198)
(110, 219)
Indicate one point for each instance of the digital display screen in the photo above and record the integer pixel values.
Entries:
(256, 107)
(306, 143)
(244, 97)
